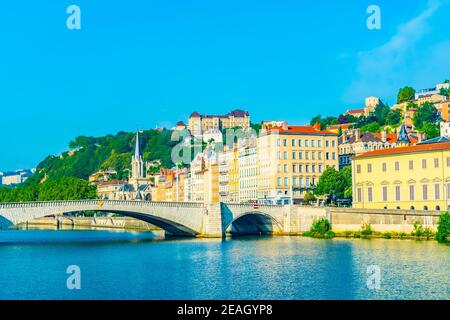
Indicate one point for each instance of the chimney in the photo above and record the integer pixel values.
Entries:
(384, 136)
(357, 135)
(317, 126)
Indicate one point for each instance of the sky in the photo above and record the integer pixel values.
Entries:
(149, 63)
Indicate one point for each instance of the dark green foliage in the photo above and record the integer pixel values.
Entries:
(366, 230)
(420, 231)
(64, 188)
(405, 94)
(324, 122)
(394, 117)
(443, 233)
(308, 198)
(320, 229)
(90, 154)
(334, 182)
(427, 113)
(371, 127)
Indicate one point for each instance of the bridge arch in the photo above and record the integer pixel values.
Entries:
(254, 222)
(178, 219)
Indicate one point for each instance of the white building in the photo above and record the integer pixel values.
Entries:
(445, 129)
(248, 174)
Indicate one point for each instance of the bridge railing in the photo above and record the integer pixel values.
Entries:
(99, 203)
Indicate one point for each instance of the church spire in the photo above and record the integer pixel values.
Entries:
(403, 138)
(137, 151)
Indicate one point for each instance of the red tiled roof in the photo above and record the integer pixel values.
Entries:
(409, 149)
(300, 130)
(111, 182)
(355, 111)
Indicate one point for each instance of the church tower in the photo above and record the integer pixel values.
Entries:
(137, 162)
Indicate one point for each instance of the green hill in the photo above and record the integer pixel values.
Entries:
(89, 154)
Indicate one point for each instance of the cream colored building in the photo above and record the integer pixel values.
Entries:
(199, 124)
(413, 177)
(291, 160)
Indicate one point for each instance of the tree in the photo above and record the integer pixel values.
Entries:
(445, 92)
(371, 127)
(381, 112)
(334, 182)
(431, 130)
(394, 117)
(309, 197)
(427, 113)
(406, 94)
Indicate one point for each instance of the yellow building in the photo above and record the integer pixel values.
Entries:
(291, 160)
(413, 177)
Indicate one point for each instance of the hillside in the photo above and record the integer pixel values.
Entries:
(87, 155)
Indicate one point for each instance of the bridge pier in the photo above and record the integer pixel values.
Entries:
(212, 221)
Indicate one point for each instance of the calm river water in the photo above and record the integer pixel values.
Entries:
(144, 265)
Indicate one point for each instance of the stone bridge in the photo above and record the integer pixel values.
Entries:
(179, 218)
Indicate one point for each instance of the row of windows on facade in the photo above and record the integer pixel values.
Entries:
(297, 181)
(299, 143)
(398, 195)
(303, 168)
(307, 157)
(411, 166)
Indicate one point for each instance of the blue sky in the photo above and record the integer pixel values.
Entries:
(152, 62)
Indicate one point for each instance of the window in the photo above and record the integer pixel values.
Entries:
(313, 143)
(369, 194)
(294, 168)
(358, 168)
(397, 166)
(425, 192)
(299, 142)
(313, 155)
(279, 181)
(300, 155)
(293, 142)
(369, 167)
(307, 168)
(327, 156)
(319, 154)
(320, 168)
(307, 182)
(448, 191)
(385, 193)
(285, 155)
(411, 165)
(285, 142)
(306, 143)
(333, 155)
(437, 191)
(412, 192)
(300, 168)
(286, 181)
(359, 195)
(384, 167)
(436, 162)
(397, 193)
(307, 155)
(319, 143)
(424, 163)
(448, 161)
(327, 143)
(285, 168)
(278, 155)
(313, 168)
(294, 181)
(294, 154)
(278, 142)
(333, 143)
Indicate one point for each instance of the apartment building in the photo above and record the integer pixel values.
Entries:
(291, 160)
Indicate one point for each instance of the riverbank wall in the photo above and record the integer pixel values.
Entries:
(396, 221)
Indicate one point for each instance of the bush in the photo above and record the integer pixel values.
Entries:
(443, 233)
(420, 231)
(320, 229)
(387, 235)
(366, 230)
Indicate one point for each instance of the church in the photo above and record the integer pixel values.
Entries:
(138, 186)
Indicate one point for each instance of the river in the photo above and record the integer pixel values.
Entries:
(144, 265)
